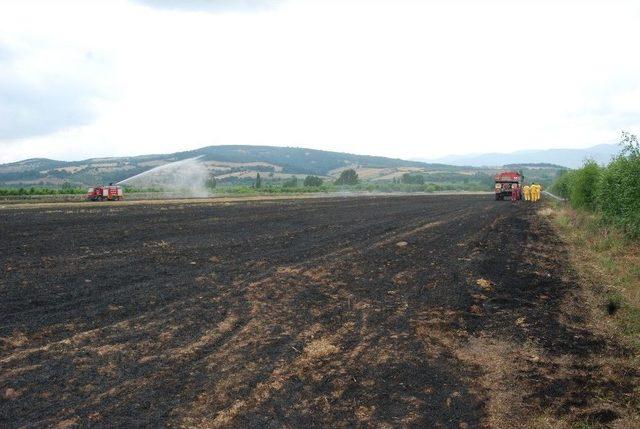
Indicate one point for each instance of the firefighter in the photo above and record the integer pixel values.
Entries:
(526, 191)
(535, 192)
(515, 192)
(532, 191)
(538, 191)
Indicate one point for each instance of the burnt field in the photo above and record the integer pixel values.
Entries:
(426, 311)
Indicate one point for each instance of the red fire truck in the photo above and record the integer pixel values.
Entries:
(102, 193)
(504, 182)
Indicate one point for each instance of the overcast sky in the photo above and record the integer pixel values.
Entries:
(396, 78)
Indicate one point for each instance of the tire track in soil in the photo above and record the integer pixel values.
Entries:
(398, 216)
(540, 365)
(292, 279)
(287, 313)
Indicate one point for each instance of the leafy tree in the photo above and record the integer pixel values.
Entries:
(258, 181)
(347, 177)
(584, 185)
(415, 179)
(291, 182)
(211, 182)
(630, 145)
(312, 181)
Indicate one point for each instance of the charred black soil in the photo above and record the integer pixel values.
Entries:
(422, 311)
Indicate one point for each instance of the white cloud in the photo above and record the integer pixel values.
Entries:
(211, 5)
(394, 78)
(41, 93)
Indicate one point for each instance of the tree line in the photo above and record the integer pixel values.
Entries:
(347, 177)
(613, 191)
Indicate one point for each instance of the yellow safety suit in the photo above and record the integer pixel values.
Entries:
(535, 192)
(526, 192)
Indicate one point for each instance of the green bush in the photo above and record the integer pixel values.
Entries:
(584, 186)
(563, 184)
(619, 193)
(613, 191)
(313, 181)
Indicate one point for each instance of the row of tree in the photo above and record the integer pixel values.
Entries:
(41, 191)
(350, 177)
(347, 177)
(613, 191)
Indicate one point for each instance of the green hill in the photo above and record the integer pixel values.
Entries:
(239, 164)
(225, 161)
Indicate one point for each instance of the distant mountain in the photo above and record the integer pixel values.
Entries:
(224, 162)
(294, 159)
(571, 158)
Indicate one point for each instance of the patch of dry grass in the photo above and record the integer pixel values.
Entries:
(320, 348)
(607, 259)
(18, 339)
(609, 264)
(484, 284)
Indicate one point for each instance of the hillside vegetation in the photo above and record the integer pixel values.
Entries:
(236, 167)
(612, 192)
(230, 161)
